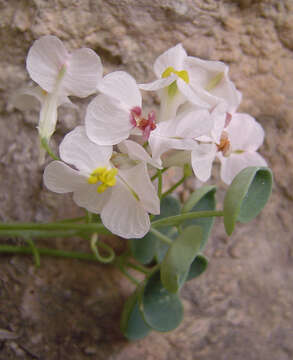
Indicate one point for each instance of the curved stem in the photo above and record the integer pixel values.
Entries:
(46, 146)
(161, 236)
(103, 259)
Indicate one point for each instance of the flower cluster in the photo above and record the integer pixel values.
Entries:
(106, 162)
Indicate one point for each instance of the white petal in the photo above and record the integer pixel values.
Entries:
(137, 178)
(201, 73)
(28, 98)
(160, 144)
(124, 215)
(218, 115)
(121, 86)
(107, 123)
(137, 152)
(245, 133)
(192, 95)
(88, 197)
(64, 100)
(227, 91)
(60, 178)
(83, 73)
(233, 164)
(191, 124)
(44, 61)
(78, 150)
(202, 159)
(48, 116)
(158, 84)
(172, 57)
(169, 105)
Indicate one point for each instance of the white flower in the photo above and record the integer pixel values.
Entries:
(180, 77)
(210, 82)
(61, 74)
(32, 97)
(237, 149)
(116, 113)
(181, 132)
(117, 188)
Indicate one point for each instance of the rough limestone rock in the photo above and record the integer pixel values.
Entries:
(241, 308)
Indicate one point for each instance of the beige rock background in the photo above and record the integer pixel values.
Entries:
(241, 308)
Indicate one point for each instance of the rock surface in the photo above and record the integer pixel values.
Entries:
(241, 308)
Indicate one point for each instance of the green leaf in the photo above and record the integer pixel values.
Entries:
(132, 324)
(202, 199)
(246, 196)
(169, 206)
(145, 249)
(161, 310)
(179, 257)
(161, 247)
(198, 266)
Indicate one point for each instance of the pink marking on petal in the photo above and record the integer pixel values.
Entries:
(228, 119)
(136, 110)
(134, 115)
(132, 119)
(152, 119)
(152, 116)
(146, 132)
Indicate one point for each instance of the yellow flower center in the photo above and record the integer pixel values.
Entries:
(172, 88)
(106, 178)
(183, 74)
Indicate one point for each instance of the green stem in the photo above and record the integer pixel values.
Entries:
(174, 220)
(137, 267)
(35, 252)
(93, 227)
(129, 277)
(25, 250)
(46, 146)
(76, 219)
(161, 236)
(103, 259)
(160, 183)
(38, 233)
(157, 174)
(69, 229)
(172, 188)
(89, 217)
